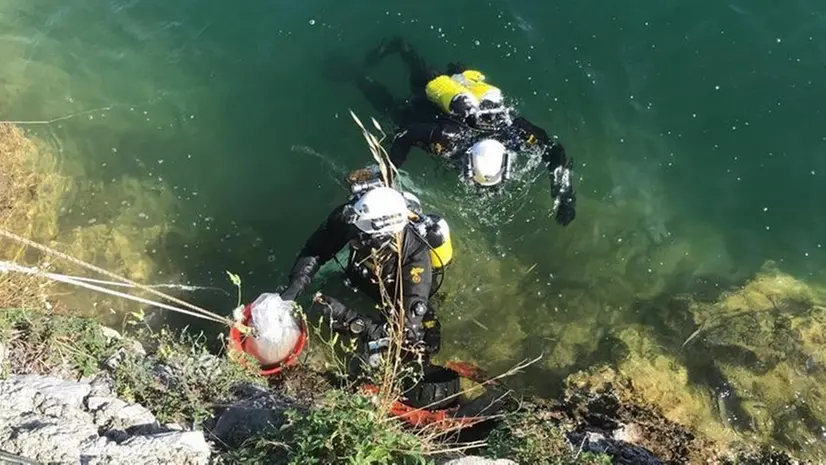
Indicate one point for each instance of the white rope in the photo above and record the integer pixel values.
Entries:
(182, 287)
(6, 267)
(30, 243)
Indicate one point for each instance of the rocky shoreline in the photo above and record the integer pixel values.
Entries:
(59, 416)
(52, 420)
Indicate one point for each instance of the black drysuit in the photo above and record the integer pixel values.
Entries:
(425, 126)
(416, 276)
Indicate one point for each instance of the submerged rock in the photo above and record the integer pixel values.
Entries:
(52, 420)
(612, 418)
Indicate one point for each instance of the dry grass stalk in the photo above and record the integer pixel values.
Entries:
(434, 435)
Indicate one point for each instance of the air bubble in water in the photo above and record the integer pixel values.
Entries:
(312, 22)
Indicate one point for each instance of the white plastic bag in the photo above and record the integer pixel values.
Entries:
(277, 328)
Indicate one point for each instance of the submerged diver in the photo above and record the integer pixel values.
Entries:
(458, 116)
(370, 223)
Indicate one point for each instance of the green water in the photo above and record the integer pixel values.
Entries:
(696, 128)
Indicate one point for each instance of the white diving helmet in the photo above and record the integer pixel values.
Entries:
(380, 211)
(488, 162)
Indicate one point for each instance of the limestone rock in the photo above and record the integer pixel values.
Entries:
(52, 420)
(621, 452)
(472, 460)
(120, 418)
(110, 333)
(172, 448)
(2, 356)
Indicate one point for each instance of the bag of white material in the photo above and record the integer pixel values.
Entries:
(276, 327)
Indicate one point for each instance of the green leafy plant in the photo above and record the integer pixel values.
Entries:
(345, 429)
(236, 280)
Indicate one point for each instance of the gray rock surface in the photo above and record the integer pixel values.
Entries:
(479, 461)
(260, 409)
(52, 420)
(2, 356)
(622, 452)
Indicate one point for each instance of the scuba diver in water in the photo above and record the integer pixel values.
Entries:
(458, 116)
(397, 255)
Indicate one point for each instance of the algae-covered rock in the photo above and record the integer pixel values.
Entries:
(606, 402)
(766, 339)
(748, 365)
(659, 377)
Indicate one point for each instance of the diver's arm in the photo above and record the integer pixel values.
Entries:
(320, 248)
(420, 135)
(559, 168)
(562, 182)
(417, 279)
(344, 320)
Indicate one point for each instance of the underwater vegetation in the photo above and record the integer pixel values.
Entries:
(100, 223)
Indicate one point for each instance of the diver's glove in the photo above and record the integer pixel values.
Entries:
(562, 187)
(562, 191)
(413, 327)
(363, 175)
(565, 209)
(301, 275)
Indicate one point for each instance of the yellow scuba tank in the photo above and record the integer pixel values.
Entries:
(474, 81)
(443, 90)
(473, 75)
(438, 236)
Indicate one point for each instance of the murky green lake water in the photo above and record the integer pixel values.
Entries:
(697, 129)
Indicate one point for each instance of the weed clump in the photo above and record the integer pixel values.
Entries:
(53, 344)
(180, 381)
(345, 428)
(530, 437)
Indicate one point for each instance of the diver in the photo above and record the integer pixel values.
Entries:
(397, 255)
(458, 116)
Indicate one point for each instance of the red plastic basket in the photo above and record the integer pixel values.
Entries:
(238, 342)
